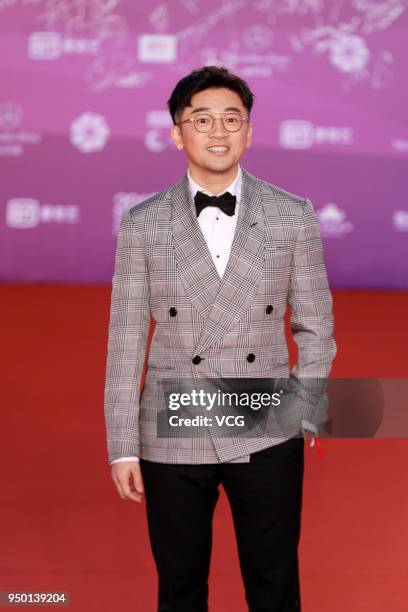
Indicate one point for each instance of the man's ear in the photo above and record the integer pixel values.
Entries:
(176, 137)
(249, 136)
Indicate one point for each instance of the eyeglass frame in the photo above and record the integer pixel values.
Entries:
(192, 119)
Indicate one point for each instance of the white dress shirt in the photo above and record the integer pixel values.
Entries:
(218, 230)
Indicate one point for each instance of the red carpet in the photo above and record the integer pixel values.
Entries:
(64, 528)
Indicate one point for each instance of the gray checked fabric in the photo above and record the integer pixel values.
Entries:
(162, 262)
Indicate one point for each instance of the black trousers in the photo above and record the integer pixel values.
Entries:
(265, 496)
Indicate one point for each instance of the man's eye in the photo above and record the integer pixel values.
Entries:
(203, 120)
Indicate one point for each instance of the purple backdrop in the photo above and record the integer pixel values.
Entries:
(84, 125)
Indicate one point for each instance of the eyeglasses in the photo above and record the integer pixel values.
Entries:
(232, 122)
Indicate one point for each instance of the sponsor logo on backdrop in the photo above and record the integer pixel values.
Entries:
(400, 220)
(300, 134)
(161, 48)
(93, 30)
(89, 132)
(315, 30)
(27, 213)
(333, 221)
(51, 45)
(157, 137)
(13, 140)
(347, 52)
(123, 201)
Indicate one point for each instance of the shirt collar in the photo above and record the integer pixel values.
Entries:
(234, 188)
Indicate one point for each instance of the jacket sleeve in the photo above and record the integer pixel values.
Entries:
(311, 322)
(127, 338)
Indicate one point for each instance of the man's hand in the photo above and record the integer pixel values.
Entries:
(127, 477)
(308, 433)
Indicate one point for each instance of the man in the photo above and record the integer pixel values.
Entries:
(216, 275)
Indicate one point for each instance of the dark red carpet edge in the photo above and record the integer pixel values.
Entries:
(64, 527)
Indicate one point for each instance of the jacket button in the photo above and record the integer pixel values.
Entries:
(251, 357)
(196, 359)
(172, 311)
(269, 309)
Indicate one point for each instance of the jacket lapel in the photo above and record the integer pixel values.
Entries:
(222, 302)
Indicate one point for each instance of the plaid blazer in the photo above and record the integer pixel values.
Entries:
(163, 269)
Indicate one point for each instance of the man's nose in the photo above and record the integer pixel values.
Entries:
(218, 128)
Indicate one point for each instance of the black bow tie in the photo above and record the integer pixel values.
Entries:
(226, 202)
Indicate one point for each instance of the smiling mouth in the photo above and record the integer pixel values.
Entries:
(218, 149)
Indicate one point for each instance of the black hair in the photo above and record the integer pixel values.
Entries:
(206, 78)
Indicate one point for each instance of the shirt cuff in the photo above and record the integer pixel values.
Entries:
(124, 459)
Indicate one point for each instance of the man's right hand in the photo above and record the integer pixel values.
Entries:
(127, 477)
